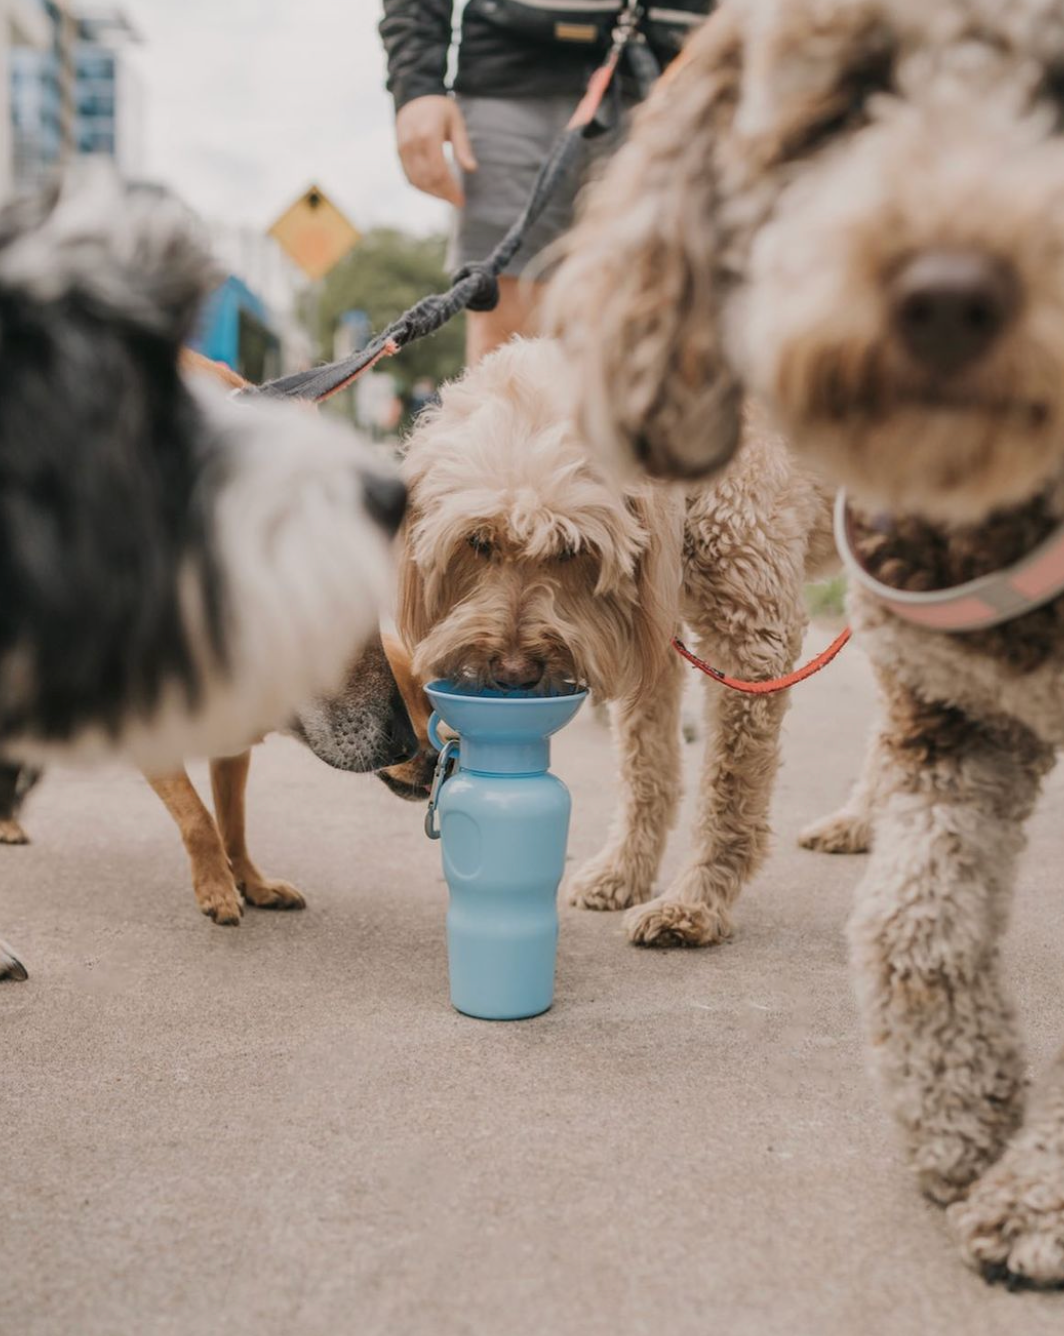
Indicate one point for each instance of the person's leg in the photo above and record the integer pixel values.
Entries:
(516, 313)
(511, 138)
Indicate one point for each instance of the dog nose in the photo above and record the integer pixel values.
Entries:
(950, 306)
(517, 672)
(385, 500)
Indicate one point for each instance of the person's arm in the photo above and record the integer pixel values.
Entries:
(417, 37)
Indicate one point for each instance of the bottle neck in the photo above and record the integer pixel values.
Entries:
(497, 757)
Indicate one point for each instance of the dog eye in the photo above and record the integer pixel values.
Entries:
(566, 554)
(482, 546)
(848, 111)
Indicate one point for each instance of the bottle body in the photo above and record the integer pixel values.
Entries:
(503, 839)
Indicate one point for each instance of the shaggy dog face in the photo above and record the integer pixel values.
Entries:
(523, 567)
(178, 571)
(855, 210)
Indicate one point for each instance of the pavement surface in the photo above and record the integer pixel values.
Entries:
(284, 1128)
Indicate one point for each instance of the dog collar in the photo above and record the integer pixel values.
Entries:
(988, 601)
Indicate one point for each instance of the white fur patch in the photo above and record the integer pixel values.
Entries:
(136, 251)
(306, 575)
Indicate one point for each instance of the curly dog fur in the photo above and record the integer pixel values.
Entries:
(851, 209)
(524, 566)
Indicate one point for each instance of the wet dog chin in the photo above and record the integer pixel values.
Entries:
(550, 685)
(558, 678)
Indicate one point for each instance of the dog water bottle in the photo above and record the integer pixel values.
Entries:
(503, 820)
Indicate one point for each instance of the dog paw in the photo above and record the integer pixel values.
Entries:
(960, 1104)
(841, 833)
(665, 922)
(946, 1167)
(219, 899)
(12, 969)
(12, 833)
(603, 884)
(266, 894)
(1011, 1225)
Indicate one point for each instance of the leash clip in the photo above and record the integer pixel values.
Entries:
(442, 774)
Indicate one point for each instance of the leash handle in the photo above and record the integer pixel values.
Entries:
(774, 684)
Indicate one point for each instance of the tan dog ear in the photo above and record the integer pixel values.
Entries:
(412, 615)
(659, 582)
(410, 688)
(638, 299)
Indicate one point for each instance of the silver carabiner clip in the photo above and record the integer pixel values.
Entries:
(443, 771)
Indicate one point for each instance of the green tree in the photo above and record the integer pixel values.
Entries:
(387, 272)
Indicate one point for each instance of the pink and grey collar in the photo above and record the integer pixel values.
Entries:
(992, 599)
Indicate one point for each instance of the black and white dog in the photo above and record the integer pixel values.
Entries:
(178, 571)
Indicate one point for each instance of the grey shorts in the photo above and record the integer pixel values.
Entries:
(511, 139)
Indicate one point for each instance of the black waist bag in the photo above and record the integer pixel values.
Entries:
(590, 23)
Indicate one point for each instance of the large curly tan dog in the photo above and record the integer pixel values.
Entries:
(854, 210)
(524, 567)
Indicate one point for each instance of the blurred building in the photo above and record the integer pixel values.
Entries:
(237, 327)
(76, 95)
(23, 24)
(256, 320)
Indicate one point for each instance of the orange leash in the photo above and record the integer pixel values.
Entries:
(774, 684)
(389, 350)
(597, 88)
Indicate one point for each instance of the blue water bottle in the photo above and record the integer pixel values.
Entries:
(503, 820)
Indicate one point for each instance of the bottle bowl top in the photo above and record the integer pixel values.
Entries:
(507, 716)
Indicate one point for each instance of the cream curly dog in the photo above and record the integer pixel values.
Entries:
(854, 210)
(525, 568)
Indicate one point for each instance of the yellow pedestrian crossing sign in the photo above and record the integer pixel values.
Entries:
(315, 233)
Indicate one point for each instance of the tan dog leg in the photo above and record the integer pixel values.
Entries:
(12, 833)
(1011, 1224)
(731, 829)
(212, 878)
(924, 944)
(648, 755)
(229, 778)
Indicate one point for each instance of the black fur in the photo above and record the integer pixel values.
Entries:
(100, 454)
(15, 782)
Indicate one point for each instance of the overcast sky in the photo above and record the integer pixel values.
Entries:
(246, 102)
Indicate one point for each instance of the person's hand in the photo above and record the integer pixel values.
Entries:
(422, 127)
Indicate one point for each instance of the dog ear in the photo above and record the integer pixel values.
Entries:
(414, 698)
(659, 580)
(412, 615)
(135, 253)
(638, 298)
(169, 262)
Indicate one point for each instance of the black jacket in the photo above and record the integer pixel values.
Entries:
(514, 50)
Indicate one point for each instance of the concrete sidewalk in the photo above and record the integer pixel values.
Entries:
(286, 1129)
